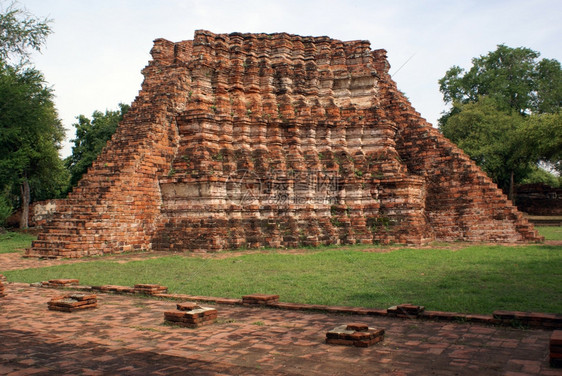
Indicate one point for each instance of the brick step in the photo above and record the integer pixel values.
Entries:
(59, 222)
(61, 244)
(62, 253)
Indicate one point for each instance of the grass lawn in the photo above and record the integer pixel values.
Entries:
(476, 279)
(550, 232)
(15, 242)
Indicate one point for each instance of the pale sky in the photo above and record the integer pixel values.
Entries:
(94, 57)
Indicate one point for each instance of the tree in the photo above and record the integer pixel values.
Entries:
(492, 138)
(512, 77)
(541, 138)
(505, 112)
(21, 32)
(30, 131)
(91, 137)
(30, 137)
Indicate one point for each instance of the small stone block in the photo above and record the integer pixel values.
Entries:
(260, 299)
(193, 318)
(341, 335)
(149, 289)
(187, 306)
(72, 302)
(405, 310)
(358, 327)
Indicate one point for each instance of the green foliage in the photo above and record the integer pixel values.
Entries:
(31, 134)
(501, 142)
(20, 31)
(539, 175)
(512, 77)
(30, 131)
(505, 113)
(5, 209)
(476, 279)
(491, 137)
(91, 137)
(542, 138)
(15, 241)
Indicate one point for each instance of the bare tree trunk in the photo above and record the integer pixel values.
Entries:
(511, 194)
(25, 198)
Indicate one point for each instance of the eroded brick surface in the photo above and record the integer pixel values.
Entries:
(249, 140)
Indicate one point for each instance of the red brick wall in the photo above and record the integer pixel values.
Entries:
(539, 199)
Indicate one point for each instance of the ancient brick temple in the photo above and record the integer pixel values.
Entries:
(251, 140)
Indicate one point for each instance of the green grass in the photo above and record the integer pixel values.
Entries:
(476, 279)
(550, 232)
(15, 242)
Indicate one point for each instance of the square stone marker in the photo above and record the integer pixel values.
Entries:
(358, 335)
(73, 302)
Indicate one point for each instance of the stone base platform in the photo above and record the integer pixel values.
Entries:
(358, 335)
(73, 302)
(191, 315)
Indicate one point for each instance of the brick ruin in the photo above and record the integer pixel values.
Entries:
(539, 199)
(275, 140)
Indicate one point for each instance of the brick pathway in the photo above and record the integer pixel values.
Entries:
(126, 335)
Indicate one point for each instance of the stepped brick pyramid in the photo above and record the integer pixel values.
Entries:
(250, 140)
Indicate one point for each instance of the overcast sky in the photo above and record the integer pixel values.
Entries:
(94, 57)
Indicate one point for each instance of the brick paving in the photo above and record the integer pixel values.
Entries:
(126, 335)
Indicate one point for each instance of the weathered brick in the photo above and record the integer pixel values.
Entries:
(225, 148)
(73, 302)
(347, 335)
(191, 318)
(260, 299)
